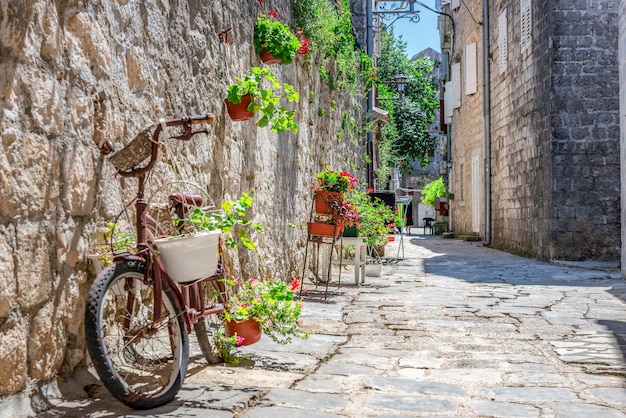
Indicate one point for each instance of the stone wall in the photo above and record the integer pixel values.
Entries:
(556, 133)
(74, 72)
(467, 129)
(622, 96)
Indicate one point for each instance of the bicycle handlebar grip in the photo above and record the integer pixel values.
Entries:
(208, 118)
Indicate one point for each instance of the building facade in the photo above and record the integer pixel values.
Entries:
(533, 110)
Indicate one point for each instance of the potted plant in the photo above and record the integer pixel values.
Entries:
(330, 186)
(325, 226)
(375, 218)
(199, 240)
(257, 91)
(274, 40)
(116, 241)
(268, 305)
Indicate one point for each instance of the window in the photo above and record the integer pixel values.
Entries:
(503, 42)
(471, 80)
(526, 21)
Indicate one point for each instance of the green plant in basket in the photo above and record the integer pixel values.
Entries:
(263, 87)
(232, 220)
(271, 303)
(275, 37)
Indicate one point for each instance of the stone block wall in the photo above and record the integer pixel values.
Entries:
(73, 73)
(556, 133)
(467, 129)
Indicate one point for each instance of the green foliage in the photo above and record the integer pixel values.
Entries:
(271, 303)
(328, 26)
(375, 217)
(276, 37)
(118, 239)
(231, 220)
(433, 190)
(265, 99)
(226, 347)
(407, 138)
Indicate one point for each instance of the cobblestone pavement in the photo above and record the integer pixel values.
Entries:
(454, 329)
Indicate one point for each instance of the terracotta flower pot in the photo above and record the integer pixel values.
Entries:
(239, 112)
(325, 230)
(268, 58)
(249, 330)
(322, 201)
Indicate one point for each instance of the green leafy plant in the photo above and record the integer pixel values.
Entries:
(275, 37)
(265, 100)
(375, 218)
(433, 190)
(334, 181)
(226, 347)
(231, 220)
(270, 302)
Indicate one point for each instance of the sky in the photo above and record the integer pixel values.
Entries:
(422, 34)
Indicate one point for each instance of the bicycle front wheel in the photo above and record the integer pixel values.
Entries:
(142, 362)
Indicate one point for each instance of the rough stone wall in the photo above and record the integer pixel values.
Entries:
(555, 133)
(467, 128)
(74, 72)
(622, 96)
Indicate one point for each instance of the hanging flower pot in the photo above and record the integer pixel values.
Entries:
(268, 58)
(249, 330)
(239, 112)
(323, 201)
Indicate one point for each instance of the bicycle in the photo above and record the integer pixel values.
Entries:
(138, 318)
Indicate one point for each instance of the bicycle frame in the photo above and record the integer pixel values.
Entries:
(189, 296)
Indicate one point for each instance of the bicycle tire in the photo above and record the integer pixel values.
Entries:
(142, 367)
(206, 328)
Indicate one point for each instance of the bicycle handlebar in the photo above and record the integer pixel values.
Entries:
(185, 123)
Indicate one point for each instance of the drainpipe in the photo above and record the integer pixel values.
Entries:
(370, 94)
(487, 121)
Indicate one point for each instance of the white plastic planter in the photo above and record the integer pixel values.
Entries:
(189, 258)
(373, 270)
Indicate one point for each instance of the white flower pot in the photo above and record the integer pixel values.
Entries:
(191, 257)
(96, 262)
(373, 270)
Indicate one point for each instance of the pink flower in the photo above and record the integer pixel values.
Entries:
(239, 340)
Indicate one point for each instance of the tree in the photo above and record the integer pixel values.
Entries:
(407, 138)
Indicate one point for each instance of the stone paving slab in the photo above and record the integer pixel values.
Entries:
(454, 329)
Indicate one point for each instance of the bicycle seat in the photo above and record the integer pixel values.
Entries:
(187, 199)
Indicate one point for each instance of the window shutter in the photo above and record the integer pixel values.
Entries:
(503, 42)
(471, 80)
(447, 102)
(455, 4)
(456, 85)
(526, 21)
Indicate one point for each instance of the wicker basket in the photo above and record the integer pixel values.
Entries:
(134, 153)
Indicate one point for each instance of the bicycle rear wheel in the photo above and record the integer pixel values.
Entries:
(206, 327)
(142, 363)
